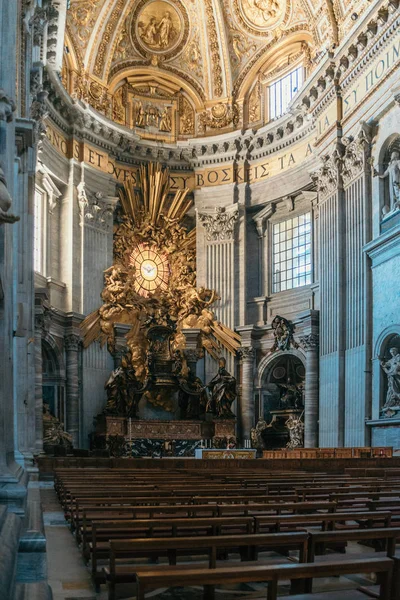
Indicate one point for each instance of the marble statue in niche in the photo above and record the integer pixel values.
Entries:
(392, 369)
(392, 173)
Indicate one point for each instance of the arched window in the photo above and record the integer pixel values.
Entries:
(283, 90)
(52, 383)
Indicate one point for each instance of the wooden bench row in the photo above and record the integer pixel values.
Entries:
(248, 545)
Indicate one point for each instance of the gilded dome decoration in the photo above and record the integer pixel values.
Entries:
(262, 14)
(159, 27)
(175, 69)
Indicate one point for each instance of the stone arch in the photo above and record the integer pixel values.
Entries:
(53, 377)
(58, 355)
(267, 384)
(270, 358)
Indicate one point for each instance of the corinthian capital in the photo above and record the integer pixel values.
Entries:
(246, 353)
(72, 342)
(328, 177)
(219, 224)
(310, 342)
(356, 154)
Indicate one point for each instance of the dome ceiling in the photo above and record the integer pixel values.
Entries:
(203, 64)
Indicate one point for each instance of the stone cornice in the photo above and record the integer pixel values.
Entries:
(344, 63)
(335, 72)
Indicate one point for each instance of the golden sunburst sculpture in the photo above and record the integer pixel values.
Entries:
(153, 278)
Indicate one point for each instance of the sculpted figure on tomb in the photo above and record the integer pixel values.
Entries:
(256, 434)
(393, 174)
(296, 431)
(291, 395)
(223, 393)
(53, 430)
(392, 370)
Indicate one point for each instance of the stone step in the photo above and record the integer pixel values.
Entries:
(33, 591)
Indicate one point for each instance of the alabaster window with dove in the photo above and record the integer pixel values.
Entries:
(151, 270)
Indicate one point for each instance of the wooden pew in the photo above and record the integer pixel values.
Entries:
(327, 521)
(103, 531)
(147, 579)
(388, 535)
(277, 508)
(171, 547)
(140, 512)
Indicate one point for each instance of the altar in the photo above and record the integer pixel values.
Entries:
(226, 453)
(155, 429)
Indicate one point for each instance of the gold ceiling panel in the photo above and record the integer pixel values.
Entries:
(214, 51)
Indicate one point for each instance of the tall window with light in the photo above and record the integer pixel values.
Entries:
(291, 252)
(282, 91)
(38, 231)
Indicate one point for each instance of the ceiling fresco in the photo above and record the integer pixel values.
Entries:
(205, 62)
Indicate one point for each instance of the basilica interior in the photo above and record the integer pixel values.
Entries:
(199, 299)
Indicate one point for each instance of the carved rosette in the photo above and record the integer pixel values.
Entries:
(356, 155)
(219, 225)
(309, 342)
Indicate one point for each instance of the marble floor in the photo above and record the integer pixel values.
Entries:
(69, 577)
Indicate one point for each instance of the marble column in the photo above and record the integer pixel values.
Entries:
(72, 386)
(191, 351)
(310, 344)
(247, 414)
(38, 387)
